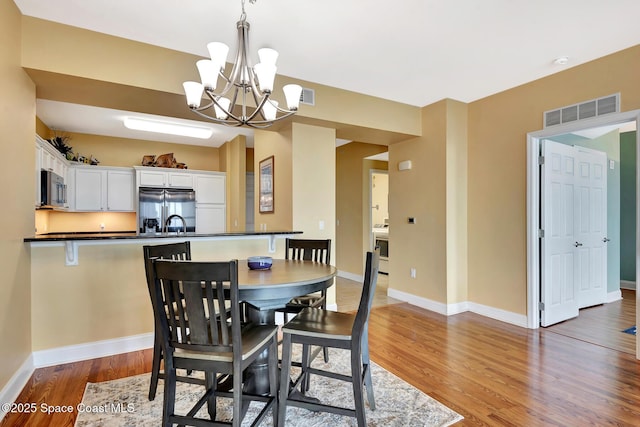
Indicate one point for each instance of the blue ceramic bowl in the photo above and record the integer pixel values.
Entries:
(260, 262)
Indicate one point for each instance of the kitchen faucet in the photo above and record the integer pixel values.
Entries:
(168, 221)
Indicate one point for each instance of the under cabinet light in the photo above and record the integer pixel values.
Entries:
(170, 128)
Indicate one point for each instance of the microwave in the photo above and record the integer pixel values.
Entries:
(53, 191)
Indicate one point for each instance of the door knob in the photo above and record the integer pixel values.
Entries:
(606, 239)
(577, 244)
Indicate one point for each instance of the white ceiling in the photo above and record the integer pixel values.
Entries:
(411, 51)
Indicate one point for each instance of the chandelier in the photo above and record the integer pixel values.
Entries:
(245, 99)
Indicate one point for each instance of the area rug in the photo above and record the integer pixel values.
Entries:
(124, 402)
(631, 330)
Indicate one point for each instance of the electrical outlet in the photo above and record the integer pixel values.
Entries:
(413, 273)
(102, 226)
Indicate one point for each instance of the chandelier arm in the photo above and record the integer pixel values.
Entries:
(259, 104)
(285, 110)
(234, 123)
(214, 102)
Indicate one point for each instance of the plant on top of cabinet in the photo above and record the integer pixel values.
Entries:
(59, 142)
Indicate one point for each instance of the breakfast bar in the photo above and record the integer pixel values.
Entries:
(71, 241)
(100, 305)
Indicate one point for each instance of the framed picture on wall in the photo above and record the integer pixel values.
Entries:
(266, 185)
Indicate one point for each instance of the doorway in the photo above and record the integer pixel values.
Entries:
(379, 215)
(534, 270)
(573, 218)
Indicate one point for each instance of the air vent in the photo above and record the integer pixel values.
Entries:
(308, 96)
(584, 110)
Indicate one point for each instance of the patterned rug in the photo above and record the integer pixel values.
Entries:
(124, 402)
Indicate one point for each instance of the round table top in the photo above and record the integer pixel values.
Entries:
(286, 279)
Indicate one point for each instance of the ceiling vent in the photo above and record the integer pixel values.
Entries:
(584, 110)
(308, 96)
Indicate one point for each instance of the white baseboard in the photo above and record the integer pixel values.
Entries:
(12, 389)
(93, 350)
(498, 314)
(425, 303)
(628, 284)
(614, 296)
(461, 307)
(350, 276)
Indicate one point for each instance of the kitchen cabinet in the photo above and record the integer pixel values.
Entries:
(48, 158)
(210, 218)
(37, 174)
(161, 177)
(210, 188)
(211, 208)
(99, 188)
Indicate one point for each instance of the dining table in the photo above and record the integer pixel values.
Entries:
(264, 291)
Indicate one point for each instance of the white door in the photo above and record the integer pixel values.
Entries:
(558, 293)
(591, 227)
(574, 220)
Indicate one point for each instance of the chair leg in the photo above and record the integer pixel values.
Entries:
(356, 379)
(367, 366)
(169, 395)
(368, 383)
(273, 378)
(237, 396)
(305, 362)
(155, 369)
(211, 383)
(284, 379)
(325, 350)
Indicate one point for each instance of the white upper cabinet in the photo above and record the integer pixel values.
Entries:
(180, 180)
(164, 177)
(49, 159)
(210, 188)
(100, 188)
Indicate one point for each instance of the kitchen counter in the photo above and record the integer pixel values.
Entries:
(124, 235)
(72, 240)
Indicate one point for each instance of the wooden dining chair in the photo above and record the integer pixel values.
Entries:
(175, 251)
(184, 293)
(317, 250)
(319, 327)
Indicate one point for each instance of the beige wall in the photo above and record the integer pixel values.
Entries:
(420, 193)
(313, 191)
(278, 145)
(235, 154)
(457, 162)
(112, 151)
(352, 199)
(17, 127)
(314, 181)
(498, 126)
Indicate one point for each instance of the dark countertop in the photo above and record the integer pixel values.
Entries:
(132, 235)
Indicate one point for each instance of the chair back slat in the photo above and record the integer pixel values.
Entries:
(368, 290)
(317, 250)
(192, 297)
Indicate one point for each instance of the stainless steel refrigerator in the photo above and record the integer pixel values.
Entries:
(157, 205)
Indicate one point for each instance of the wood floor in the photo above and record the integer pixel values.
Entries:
(601, 324)
(492, 373)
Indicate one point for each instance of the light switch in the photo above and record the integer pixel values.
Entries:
(612, 164)
(321, 225)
